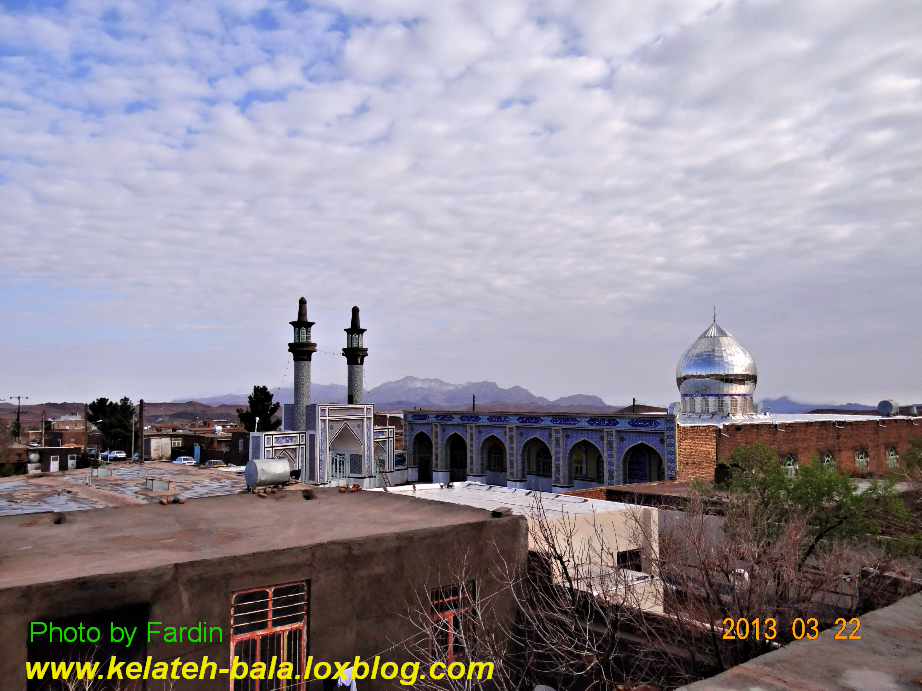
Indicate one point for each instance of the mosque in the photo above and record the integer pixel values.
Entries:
(330, 442)
(716, 378)
(564, 451)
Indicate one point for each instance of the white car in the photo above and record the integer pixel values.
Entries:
(117, 455)
(184, 460)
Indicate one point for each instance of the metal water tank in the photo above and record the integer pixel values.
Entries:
(266, 472)
(888, 408)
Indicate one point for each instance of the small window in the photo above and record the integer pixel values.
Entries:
(71, 458)
(893, 458)
(54, 459)
(862, 460)
(829, 459)
(630, 559)
(449, 606)
(269, 622)
(790, 465)
(176, 443)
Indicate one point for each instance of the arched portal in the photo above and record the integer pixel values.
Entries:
(493, 458)
(642, 463)
(585, 461)
(422, 455)
(456, 449)
(346, 454)
(536, 458)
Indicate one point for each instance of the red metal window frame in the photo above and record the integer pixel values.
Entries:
(269, 631)
(446, 610)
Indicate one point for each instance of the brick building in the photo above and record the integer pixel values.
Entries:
(717, 377)
(861, 446)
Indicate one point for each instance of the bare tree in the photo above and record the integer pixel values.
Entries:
(578, 619)
(714, 588)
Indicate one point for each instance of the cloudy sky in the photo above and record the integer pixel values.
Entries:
(538, 192)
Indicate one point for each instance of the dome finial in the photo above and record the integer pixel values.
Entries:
(302, 309)
(715, 314)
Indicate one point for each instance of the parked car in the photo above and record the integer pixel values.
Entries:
(184, 460)
(117, 455)
(104, 457)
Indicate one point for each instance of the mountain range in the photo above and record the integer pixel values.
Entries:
(415, 392)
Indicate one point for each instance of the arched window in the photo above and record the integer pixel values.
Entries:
(893, 458)
(790, 465)
(537, 458)
(862, 460)
(829, 459)
(586, 462)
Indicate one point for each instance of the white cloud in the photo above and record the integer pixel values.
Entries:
(545, 193)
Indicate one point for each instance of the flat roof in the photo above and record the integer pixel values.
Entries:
(888, 656)
(662, 488)
(592, 412)
(521, 502)
(780, 419)
(125, 484)
(33, 549)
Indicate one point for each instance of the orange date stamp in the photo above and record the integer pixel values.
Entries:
(766, 629)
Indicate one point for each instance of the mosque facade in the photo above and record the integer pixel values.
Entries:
(330, 443)
(545, 451)
(568, 450)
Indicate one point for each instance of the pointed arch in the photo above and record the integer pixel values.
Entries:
(586, 462)
(536, 457)
(422, 456)
(642, 463)
(494, 460)
(456, 456)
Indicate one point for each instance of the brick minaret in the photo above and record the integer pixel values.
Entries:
(301, 349)
(355, 352)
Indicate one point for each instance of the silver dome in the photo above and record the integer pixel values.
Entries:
(716, 363)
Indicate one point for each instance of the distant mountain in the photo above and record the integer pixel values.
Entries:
(786, 405)
(328, 393)
(416, 392)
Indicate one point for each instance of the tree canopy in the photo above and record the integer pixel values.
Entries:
(260, 405)
(830, 503)
(114, 420)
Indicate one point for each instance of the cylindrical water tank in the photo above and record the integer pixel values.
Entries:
(266, 472)
(888, 408)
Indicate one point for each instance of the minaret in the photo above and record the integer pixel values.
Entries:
(355, 352)
(301, 349)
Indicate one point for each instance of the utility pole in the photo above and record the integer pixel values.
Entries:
(140, 432)
(17, 426)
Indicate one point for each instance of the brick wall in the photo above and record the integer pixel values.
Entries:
(697, 453)
(591, 493)
(700, 447)
(809, 440)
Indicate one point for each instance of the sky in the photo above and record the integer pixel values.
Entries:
(540, 193)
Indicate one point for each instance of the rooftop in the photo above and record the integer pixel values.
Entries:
(780, 419)
(35, 549)
(117, 484)
(888, 656)
(521, 502)
(608, 411)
